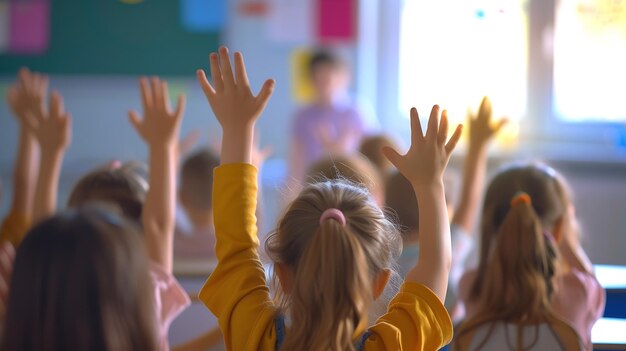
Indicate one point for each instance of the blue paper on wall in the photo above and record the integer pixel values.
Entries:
(203, 15)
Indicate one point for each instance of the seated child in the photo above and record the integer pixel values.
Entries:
(196, 198)
(80, 282)
(513, 309)
(333, 249)
(578, 298)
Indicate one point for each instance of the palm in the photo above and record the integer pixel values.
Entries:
(52, 128)
(428, 155)
(482, 128)
(28, 95)
(159, 123)
(230, 96)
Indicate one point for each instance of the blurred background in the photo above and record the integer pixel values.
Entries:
(556, 68)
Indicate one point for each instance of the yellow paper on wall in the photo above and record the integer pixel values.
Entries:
(302, 88)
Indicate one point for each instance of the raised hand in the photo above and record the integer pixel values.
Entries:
(52, 128)
(230, 96)
(28, 95)
(159, 125)
(482, 127)
(428, 156)
(234, 105)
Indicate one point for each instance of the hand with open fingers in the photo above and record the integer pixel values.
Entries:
(7, 256)
(230, 96)
(160, 125)
(482, 127)
(27, 96)
(52, 128)
(428, 156)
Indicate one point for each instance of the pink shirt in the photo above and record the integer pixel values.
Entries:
(170, 300)
(578, 299)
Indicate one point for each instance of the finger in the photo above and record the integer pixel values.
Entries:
(23, 76)
(157, 92)
(431, 132)
(393, 156)
(216, 73)
(12, 95)
(442, 135)
(265, 93)
(208, 90)
(227, 71)
(134, 119)
(240, 70)
(166, 96)
(56, 105)
(454, 139)
(417, 134)
(486, 109)
(43, 86)
(180, 106)
(501, 123)
(146, 94)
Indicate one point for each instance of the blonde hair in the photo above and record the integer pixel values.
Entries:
(333, 266)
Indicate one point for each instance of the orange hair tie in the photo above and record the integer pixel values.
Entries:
(521, 198)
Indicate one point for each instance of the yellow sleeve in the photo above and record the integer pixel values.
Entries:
(14, 227)
(237, 292)
(415, 320)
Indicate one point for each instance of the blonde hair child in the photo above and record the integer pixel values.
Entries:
(331, 247)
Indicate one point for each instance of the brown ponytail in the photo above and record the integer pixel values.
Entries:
(333, 265)
(517, 280)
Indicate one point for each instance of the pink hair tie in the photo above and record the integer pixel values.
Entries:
(333, 213)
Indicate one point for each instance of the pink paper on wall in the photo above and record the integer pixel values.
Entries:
(336, 20)
(29, 27)
(4, 27)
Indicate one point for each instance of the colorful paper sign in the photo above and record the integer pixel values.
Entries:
(204, 16)
(302, 88)
(336, 20)
(29, 28)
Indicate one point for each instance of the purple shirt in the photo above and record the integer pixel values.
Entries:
(335, 122)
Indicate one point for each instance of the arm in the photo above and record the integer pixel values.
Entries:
(159, 130)
(53, 129)
(481, 131)
(423, 166)
(24, 98)
(236, 292)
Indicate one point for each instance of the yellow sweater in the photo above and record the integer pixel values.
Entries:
(13, 228)
(237, 292)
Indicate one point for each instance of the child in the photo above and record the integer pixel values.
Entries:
(26, 98)
(329, 126)
(578, 297)
(333, 247)
(159, 129)
(80, 282)
(514, 305)
(196, 198)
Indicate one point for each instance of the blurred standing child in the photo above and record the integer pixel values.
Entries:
(332, 124)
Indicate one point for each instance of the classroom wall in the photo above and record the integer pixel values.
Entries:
(99, 106)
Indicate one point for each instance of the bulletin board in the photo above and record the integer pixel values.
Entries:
(164, 37)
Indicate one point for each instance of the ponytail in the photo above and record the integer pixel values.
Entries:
(517, 281)
(328, 302)
(335, 241)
